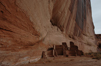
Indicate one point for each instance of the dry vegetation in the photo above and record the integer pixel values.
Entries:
(94, 55)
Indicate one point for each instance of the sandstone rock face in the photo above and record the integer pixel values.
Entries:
(98, 42)
(28, 27)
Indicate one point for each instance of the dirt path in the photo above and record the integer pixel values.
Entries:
(66, 61)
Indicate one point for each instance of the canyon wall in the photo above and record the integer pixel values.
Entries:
(98, 42)
(28, 27)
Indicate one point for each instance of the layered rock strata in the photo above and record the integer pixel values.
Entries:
(28, 27)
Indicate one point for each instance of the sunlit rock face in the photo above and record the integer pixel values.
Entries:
(28, 27)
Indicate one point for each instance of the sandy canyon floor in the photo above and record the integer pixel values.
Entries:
(66, 61)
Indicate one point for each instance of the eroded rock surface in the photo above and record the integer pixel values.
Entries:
(98, 42)
(28, 27)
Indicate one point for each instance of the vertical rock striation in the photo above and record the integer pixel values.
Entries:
(28, 27)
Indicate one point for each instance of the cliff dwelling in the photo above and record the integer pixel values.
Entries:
(73, 49)
(62, 50)
(31, 29)
(56, 50)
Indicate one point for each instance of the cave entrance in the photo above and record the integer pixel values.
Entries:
(73, 49)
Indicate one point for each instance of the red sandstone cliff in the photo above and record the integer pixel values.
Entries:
(28, 27)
